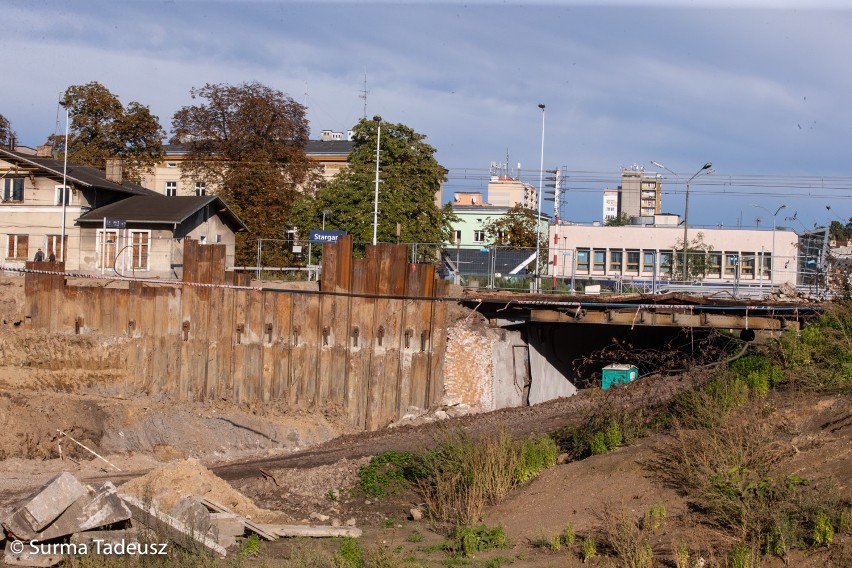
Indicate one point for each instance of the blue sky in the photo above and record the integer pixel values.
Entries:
(762, 92)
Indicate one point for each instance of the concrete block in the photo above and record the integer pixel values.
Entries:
(193, 514)
(313, 531)
(167, 525)
(27, 557)
(99, 507)
(227, 524)
(44, 506)
(112, 537)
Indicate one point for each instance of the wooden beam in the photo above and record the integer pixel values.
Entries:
(661, 318)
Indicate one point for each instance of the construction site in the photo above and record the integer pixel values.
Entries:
(215, 407)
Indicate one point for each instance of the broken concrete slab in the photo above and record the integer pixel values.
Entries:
(169, 526)
(312, 530)
(228, 527)
(44, 506)
(248, 524)
(100, 507)
(33, 556)
(193, 514)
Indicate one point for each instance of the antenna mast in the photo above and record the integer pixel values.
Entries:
(363, 93)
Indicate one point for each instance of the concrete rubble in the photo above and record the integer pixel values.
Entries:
(65, 516)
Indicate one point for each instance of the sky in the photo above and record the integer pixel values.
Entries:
(759, 88)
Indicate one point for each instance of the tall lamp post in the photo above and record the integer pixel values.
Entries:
(705, 169)
(540, 193)
(774, 215)
(378, 121)
(324, 213)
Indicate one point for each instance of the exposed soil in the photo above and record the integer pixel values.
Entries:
(279, 466)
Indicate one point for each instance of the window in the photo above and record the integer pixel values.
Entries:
(18, 247)
(767, 265)
(479, 236)
(582, 260)
(666, 259)
(648, 258)
(714, 264)
(140, 246)
(171, 164)
(633, 261)
(107, 241)
(53, 242)
(600, 260)
(13, 189)
(457, 236)
(171, 188)
(616, 257)
(218, 238)
(200, 188)
(731, 261)
(747, 265)
(58, 194)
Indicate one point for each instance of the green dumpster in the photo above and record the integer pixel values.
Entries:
(617, 374)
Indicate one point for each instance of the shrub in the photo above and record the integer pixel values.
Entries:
(467, 541)
(350, 554)
(463, 475)
(654, 517)
(535, 455)
(741, 556)
(389, 472)
(551, 543)
(627, 538)
(682, 555)
(602, 430)
(588, 549)
(823, 531)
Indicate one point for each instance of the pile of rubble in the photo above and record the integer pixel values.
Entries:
(415, 416)
(68, 518)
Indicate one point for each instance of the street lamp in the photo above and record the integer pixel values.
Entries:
(324, 213)
(378, 121)
(774, 215)
(704, 170)
(540, 192)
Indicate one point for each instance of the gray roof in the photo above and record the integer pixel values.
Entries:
(86, 176)
(158, 209)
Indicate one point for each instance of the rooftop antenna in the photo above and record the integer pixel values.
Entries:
(363, 93)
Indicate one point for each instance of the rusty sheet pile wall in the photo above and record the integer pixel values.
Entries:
(368, 345)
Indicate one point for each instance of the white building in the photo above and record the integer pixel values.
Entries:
(610, 204)
(642, 253)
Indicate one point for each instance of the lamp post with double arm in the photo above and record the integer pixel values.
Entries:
(705, 169)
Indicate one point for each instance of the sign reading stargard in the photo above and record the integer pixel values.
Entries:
(323, 237)
(114, 223)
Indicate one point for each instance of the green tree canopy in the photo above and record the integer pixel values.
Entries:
(517, 228)
(410, 178)
(102, 128)
(6, 132)
(248, 142)
(619, 221)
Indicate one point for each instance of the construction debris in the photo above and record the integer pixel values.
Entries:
(248, 524)
(149, 515)
(313, 530)
(65, 517)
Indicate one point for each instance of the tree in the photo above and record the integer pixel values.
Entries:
(410, 178)
(620, 221)
(102, 128)
(6, 132)
(517, 228)
(697, 259)
(248, 143)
